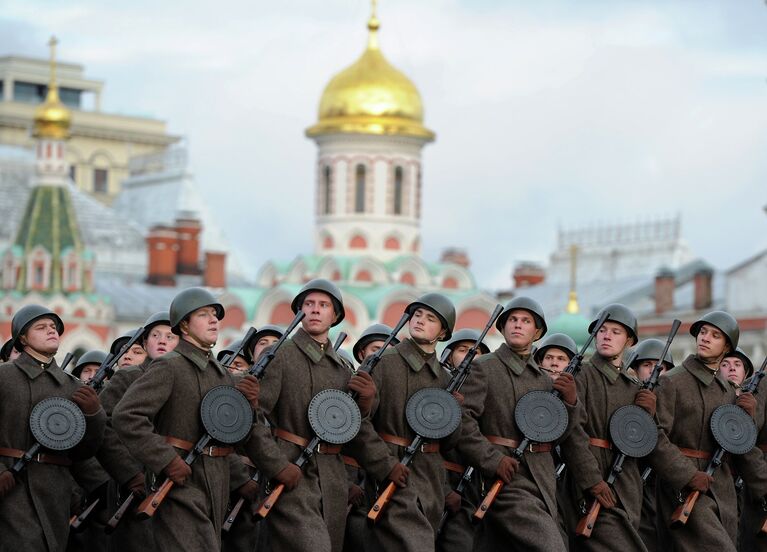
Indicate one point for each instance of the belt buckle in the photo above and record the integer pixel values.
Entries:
(319, 447)
(210, 450)
(38, 458)
(423, 446)
(530, 448)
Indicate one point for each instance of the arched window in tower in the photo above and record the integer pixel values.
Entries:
(359, 189)
(327, 191)
(398, 191)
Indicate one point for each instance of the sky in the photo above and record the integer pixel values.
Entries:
(548, 114)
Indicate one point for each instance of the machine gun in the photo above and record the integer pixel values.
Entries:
(468, 473)
(226, 362)
(107, 368)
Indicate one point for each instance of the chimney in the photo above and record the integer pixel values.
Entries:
(702, 288)
(215, 269)
(528, 274)
(188, 230)
(455, 256)
(664, 290)
(162, 246)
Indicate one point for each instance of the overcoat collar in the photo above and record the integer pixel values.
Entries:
(197, 356)
(33, 368)
(414, 356)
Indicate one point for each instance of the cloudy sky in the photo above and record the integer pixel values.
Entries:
(548, 114)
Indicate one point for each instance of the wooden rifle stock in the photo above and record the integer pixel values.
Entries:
(682, 513)
(232, 515)
(269, 502)
(586, 524)
(149, 505)
(76, 522)
(383, 500)
(490, 497)
(119, 514)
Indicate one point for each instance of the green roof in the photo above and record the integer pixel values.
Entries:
(575, 325)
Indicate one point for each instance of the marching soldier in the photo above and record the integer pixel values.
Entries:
(87, 365)
(34, 506)
(736, 367)
(524, 515)
(311, 516)
(687, 396)
(158, 419)
(371, 340)
(754, 506)
(266, 336)
(133, 356)
(8, 352)
(604, 385)
(239, 365)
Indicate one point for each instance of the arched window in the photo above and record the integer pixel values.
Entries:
(359, 190)
(398, 191)
(327, 190)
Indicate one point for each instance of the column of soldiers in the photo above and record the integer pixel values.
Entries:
(142, 433)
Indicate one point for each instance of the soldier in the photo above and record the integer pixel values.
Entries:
(687, 396)
(8, 352)
(311, 515)
(753, 515)
(736, 367)
(87, 365)
(239, 365)
(371, 340)
(458, 531)
(158, 419)
(604, 385)
(133, 356)
(34, 508)
(524, 515)
(642, 359)
(267, 335)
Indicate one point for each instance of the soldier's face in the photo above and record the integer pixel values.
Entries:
(554, 361)
(732, 368)
(88, 371)
(320, 313)
(425, 327)
(132, 357)
(711, 342)
(459, 352)
(645, 368)
(612, 338)
(520, 331)
(202, 327)
(42, 337)
(238, 366)
(371, 348)
(160, 341)
(262, 344)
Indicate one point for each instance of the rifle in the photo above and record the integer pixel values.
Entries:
(106, 369)
(460, 486)
(586, 524)
(259, 367)
(682, 513)
(306, 454)
(76, 521)
(573, 368)
(457, 380)
(67, 359)
(226, 362)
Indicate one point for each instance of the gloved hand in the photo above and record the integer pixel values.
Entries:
(646, 399)
(356, 495)
(701, 481)
(604, 494)
(453, 502)
(565, 384)
(507, 468)
(251, 388)
(459, 397)
(136, 484)
(7, 482)
(289, 476)
(399, 474)
(87, 399)
(249, 491)
(748, 403)
(178, 470)
(362, 383)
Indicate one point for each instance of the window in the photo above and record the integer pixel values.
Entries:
(70, 97)
(359, 190)
(28, 92)
(327, 190)
(38, 280)
(72, 173)
(100, 177)
(398, 191)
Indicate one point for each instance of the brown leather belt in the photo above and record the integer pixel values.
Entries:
(692, 453)
(42, 458)
(601, 443)
(187, 446)
(402, 442)
(453, 467)
(322, 448)
(349, 461)
(511, 443)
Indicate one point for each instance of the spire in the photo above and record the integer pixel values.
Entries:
(373, 25)
(572, 302)
(52, 118)
(53, 87)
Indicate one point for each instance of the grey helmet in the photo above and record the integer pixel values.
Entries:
(623, 316)
(747, 364)
(325, 286)
(724, 321)
(231, 348)
(90, 357)
(525, 303)
(376, 332)
(28, 314)
(118, 343)
(188, 301)
(467, 334)
(649, 349)
(441, 306)
(5, 351)
(157, 319)
(266, 329)
(557, 341)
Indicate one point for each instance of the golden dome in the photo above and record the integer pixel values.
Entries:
(371, 97)
(52, 118)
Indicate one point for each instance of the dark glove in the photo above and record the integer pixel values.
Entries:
(356, 495)
(399, 474)
(136, 484)
(507, 468)
(289, 476)
(178, 470)
(459, 397)
(249, 491)
(701, 481)
(250, 387)
(748, 403)
(7, 482)
(362, 383)
(87, 399)
(604, 494)
(646, 399)
(565, 384)
(453, 502)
